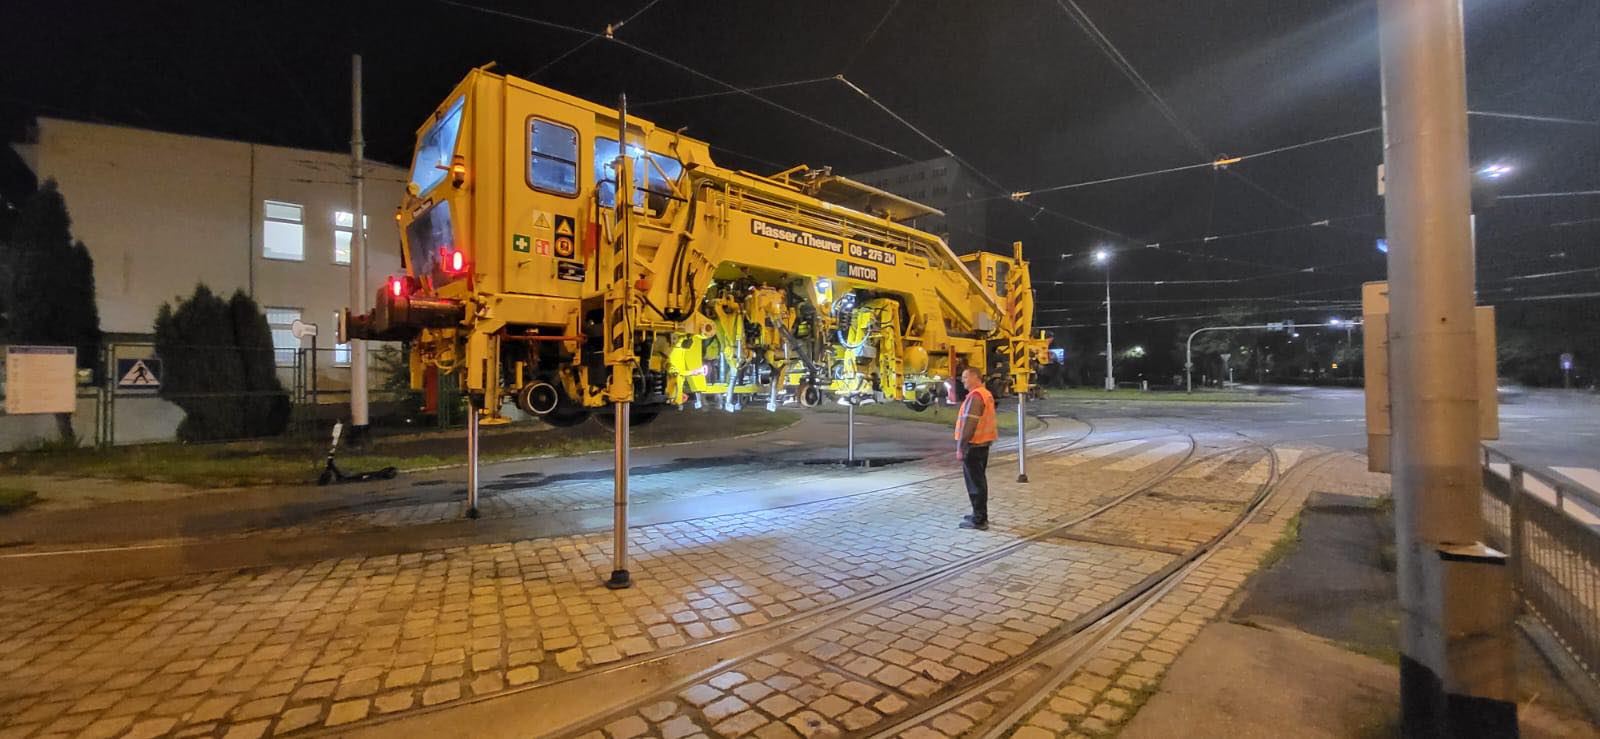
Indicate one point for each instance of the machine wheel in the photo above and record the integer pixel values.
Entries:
(538, 398)
(810, 396)
(921, 400)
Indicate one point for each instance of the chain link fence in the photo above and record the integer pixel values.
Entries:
(133, 395)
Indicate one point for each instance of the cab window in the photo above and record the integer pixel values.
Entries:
(552, 157)
(654, 175)
(437, 149)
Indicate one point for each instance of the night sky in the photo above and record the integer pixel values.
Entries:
(1015, 87)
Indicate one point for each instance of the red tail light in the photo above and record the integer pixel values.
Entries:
(397, 287)
(453, 261)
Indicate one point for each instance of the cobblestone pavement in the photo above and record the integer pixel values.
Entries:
(331, 643)
(1111, 687)
(859, 674)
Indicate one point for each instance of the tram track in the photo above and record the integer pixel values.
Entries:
(845, 611)
(1059, 657)
(838, 611)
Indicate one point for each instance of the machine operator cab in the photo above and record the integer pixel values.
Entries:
(542, 198)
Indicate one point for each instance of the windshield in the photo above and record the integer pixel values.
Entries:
(437, 149)
(655, 174)
(428, 238)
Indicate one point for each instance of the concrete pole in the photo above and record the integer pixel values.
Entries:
(1456, 666)
(358, 258)
(1111, 381)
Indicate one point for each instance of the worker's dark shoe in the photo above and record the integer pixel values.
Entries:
(968, 523)
(967, 518)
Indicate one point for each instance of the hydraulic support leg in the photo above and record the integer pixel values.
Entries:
(472, 458)
(1022, 437)
(850, 443)
(619, 564)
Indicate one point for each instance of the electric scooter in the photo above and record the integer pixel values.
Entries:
(332, 474)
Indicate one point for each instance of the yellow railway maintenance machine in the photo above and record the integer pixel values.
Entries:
(535, 277)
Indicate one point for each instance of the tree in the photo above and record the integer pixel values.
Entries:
(50, 282)
(1211, 345)
(265, 406)
(219, 367)
(195, 341)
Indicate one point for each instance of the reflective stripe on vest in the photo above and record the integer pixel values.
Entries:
(983, 415)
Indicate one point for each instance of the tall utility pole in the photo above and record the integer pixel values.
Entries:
(1104, 257)
(1456, 608)
(358, 258)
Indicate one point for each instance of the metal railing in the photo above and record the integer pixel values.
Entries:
(1539, 521)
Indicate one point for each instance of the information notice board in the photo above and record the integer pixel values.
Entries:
(41, 379)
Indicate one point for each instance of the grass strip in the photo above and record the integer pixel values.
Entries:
(280, 462)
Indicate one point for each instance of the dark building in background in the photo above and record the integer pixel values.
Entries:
(943, 184)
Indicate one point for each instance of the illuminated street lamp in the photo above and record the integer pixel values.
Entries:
(1495, 171)
(1103, 256)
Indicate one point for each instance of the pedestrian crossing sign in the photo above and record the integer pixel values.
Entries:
(139, 374)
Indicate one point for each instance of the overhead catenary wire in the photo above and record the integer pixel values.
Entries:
(611, 30)
(676, 65)
(1536, 118)
(1109, 49)
(862, 47)
(990, 181)
(725, 93)
(1570, 194)
(1078, 16)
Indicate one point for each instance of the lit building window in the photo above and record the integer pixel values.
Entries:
(283, 231)
(343, 232)
(284, 343)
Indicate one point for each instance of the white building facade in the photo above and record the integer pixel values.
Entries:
(161, 213)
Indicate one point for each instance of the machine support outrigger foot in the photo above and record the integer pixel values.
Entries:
(1022, 437)
(472, 458)
(619, 564)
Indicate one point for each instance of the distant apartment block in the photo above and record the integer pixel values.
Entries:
(946, 185)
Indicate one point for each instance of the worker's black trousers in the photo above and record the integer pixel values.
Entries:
(975, 468)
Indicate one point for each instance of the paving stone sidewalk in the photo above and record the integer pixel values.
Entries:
(280, 649)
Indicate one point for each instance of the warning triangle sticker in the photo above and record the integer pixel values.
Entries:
(564, 228)
(139, 375)
(541, 221)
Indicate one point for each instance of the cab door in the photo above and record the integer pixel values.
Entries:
(547, 195)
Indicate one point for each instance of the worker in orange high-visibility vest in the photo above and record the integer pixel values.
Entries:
(975, 431)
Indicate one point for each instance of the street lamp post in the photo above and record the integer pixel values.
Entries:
(1103, 256)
